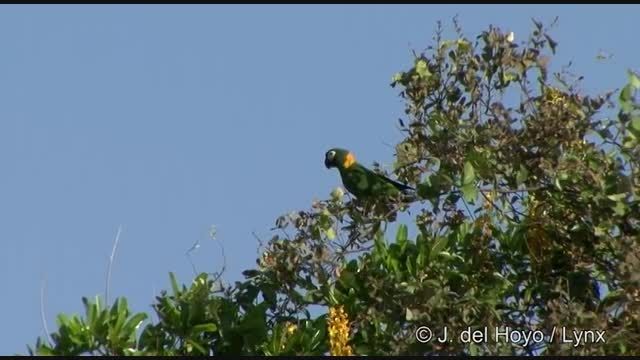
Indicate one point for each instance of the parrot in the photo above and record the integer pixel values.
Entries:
(361, 182)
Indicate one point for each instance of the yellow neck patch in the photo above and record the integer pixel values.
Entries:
(349, 160)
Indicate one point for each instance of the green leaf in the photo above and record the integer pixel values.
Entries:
(174, 284)
(449, 257)
(199, 348)
(401, 236)
(463, 45)
(612, 298)
(380, 246)
(469, 193)
(463, 230)
(123, 307)
(620, 209)
(318, 330)
(331, 234)
(91, 311)
(600, 230)
(348, 279)
(422, 69)
(625, 98)
(45, 351)
(634, 80)
(527, 295)
(254, 321)
(445, 44)
(557, 184)
(199, 329)
(439, 244)
(469, 175)
(331, 295)
(617, 197)
(420, 261)
(473, 349)
(428, 189)
(508, 77)
(634, 126)
(134, 322)
(626, 95)
(408, 314)
(362, 349)
(395, 266)
(62, 320)
(421, 244)
(629, 142)
(409, 265)
(522, 175)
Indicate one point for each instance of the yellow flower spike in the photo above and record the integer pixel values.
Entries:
(338, 326)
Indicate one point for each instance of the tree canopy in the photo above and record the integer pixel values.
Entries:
(527, 232)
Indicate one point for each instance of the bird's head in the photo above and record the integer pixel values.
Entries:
(340, 158)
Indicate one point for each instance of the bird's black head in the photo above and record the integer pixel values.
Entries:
(339, 158)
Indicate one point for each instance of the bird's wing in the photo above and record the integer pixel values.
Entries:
(398, 185)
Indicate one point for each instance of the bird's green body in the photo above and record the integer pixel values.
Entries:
(360, 181)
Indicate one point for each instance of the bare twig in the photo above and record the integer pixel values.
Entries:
(260, 242)
(497, 207)
(194, 247)
(285, 233)
(514, 210)
(111, 258)
(499, 191)
(510, 191)
(224, 258)
(355, 251)
(42, 312)
(468, 210)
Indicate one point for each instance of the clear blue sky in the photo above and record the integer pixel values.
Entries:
(170, 119)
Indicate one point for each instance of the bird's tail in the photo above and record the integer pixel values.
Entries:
(409, 194)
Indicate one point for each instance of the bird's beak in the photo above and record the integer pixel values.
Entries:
(327, 163)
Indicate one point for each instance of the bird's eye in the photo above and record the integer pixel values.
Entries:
(331, 154)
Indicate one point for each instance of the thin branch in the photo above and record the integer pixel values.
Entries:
(499, 191)
(514, 210)
(194, 247)
(285, 233)
(468, 210)
(224, 259)
(496, 207)
(510, 191)
(42, 312)
(358, 250)
(111, 258)
(260, 242)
